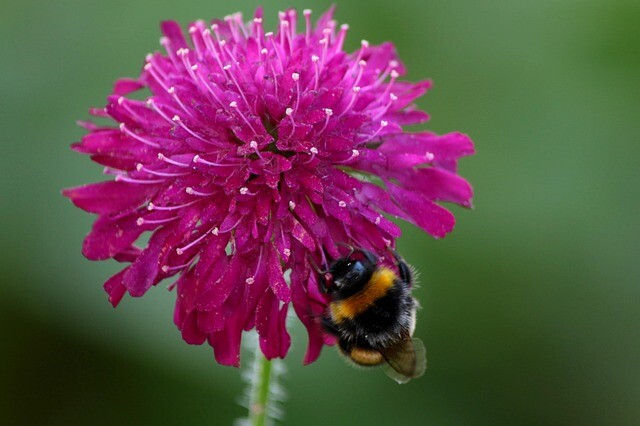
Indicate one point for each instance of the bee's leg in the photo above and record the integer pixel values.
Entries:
(405, 272)
(322, 284)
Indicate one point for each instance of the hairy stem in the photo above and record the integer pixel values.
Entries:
(258, 406)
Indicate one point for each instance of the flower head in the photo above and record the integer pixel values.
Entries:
(253, 156)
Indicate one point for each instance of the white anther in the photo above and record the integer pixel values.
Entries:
(194, 67)
(286, 252)
(147, 67)
(323, 41)
(139, 166)
(394, 74)
(222, 43)
(244, 190)
(328, 111)
(161, 156)
(192, 30)
(233, 104)
(356, 89)
(175, 118)
(257, 20)
(268, 34)
(315, 58)
(342, 204)
(206, 33)
(249, 280)
(362, 63)
(120, 100)
(149, 102)
(393, 97)
(289, 111)
(215, 231)
(214, 27)
(378, 220)
(227, 67)
(295, 76)
(384, 123)
(314, 150)
(253, 144)
(140, 221)
(429, 156)
(344, 27)
(182, 51)
(355, 152)
(196, 158)
(189, 190)
(326, 31)
(165, 269)
(179, 251)
(150, 206)
(306, 12)
(171, 90)
(364, 43)
(292, 205)
(164, 40)
(121, 127)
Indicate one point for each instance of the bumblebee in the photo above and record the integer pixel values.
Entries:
(373, 315)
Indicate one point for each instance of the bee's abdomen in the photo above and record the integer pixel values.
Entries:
(365, 357)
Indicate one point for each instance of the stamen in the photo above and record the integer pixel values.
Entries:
(142, 221)
(197, 159)
(341, 36)
(123, 129)
(140, 167)
(123, 178)
(189, 190)
(292, 205)
(342, 204)
(152, 206)
(181, 250)
(328, 112)
(307, 19)
(162, 157)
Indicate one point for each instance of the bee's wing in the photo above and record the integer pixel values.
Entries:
(406, 360)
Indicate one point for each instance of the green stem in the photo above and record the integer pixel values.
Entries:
(260, 395)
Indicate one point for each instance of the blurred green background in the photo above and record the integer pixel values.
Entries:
(530, 308)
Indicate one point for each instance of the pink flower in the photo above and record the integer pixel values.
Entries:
(254, 154)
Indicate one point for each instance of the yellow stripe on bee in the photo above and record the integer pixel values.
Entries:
(378, 286)
(366, 356)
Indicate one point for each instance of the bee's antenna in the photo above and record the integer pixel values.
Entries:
(315, 266)
(349, 246)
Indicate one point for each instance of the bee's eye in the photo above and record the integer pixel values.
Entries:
(355, 271)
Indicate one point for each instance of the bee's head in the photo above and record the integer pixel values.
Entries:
(349, 274)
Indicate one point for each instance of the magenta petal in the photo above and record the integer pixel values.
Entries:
(439, 185)
(191, 332)
(226, 343)
(429, 216)
(115, 289)
(143, 272)
(276, 278)
(125, 86)
(111, 236)
(109, 197)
